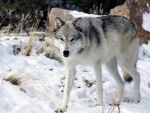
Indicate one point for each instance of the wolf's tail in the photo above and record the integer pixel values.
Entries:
(127, 77)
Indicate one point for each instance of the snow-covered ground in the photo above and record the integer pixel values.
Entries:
(41, 87)
(146, 20)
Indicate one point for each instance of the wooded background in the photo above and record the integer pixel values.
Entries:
(34, 7)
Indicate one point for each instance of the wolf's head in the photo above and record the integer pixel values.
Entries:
(68, 36)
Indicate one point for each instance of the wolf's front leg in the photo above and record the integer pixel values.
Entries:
(99, 83)
(70, 76)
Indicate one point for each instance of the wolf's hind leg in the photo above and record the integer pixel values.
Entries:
(127, 61)
(112, 68)
(136, 78)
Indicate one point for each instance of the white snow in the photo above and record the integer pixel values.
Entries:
(41, 86)
(146, 20)
(77, 14)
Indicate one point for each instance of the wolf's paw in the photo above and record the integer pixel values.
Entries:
(60, 110)
(137, 101)
(98, 104)
(137, 98)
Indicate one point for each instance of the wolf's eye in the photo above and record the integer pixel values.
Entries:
(72, 40)
(61, 39)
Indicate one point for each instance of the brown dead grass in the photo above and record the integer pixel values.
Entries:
(14, 79)
(148, 84)
(29, 46)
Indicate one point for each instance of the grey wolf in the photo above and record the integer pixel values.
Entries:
(107, 40)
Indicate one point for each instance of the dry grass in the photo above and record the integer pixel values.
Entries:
(26, 49)
(95, 10)
(29, 45)
(14, 79)
(148, 84)
(89, 83)
(46, 47)
(52, 53)
(40, 49)
(112, 104)
(5, 30)
(21, 81)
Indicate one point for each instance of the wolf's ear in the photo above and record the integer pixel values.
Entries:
(77, 23)
(58, 23)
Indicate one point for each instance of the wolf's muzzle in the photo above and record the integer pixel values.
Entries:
(66, 53)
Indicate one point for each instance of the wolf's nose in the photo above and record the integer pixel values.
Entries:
(66, 53)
